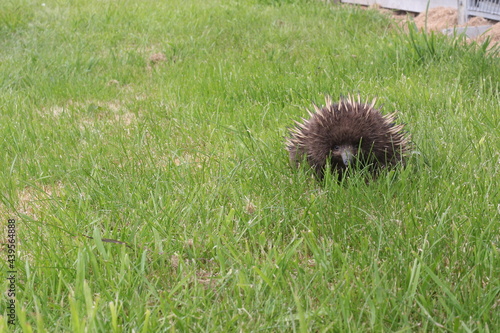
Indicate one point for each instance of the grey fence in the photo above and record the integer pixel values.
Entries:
(489, 9)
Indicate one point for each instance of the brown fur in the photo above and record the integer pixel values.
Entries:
(347, 133)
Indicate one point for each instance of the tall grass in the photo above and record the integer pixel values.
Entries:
(161, 125)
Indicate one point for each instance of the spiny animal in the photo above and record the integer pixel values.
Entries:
(347, 134)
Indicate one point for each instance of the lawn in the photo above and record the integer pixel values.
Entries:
(142, 159)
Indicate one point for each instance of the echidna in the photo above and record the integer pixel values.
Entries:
(347, 134)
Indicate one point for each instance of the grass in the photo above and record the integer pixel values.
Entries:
(181, 156)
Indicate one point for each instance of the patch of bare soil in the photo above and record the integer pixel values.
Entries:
(437, 19)
(440, 18)
(493, 33)
(34, 199)
(157, 58)
(477, 21)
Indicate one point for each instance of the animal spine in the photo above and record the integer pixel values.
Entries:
(347, 134)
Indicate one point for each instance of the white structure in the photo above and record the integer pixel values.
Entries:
(408, 5)
(489, 9)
